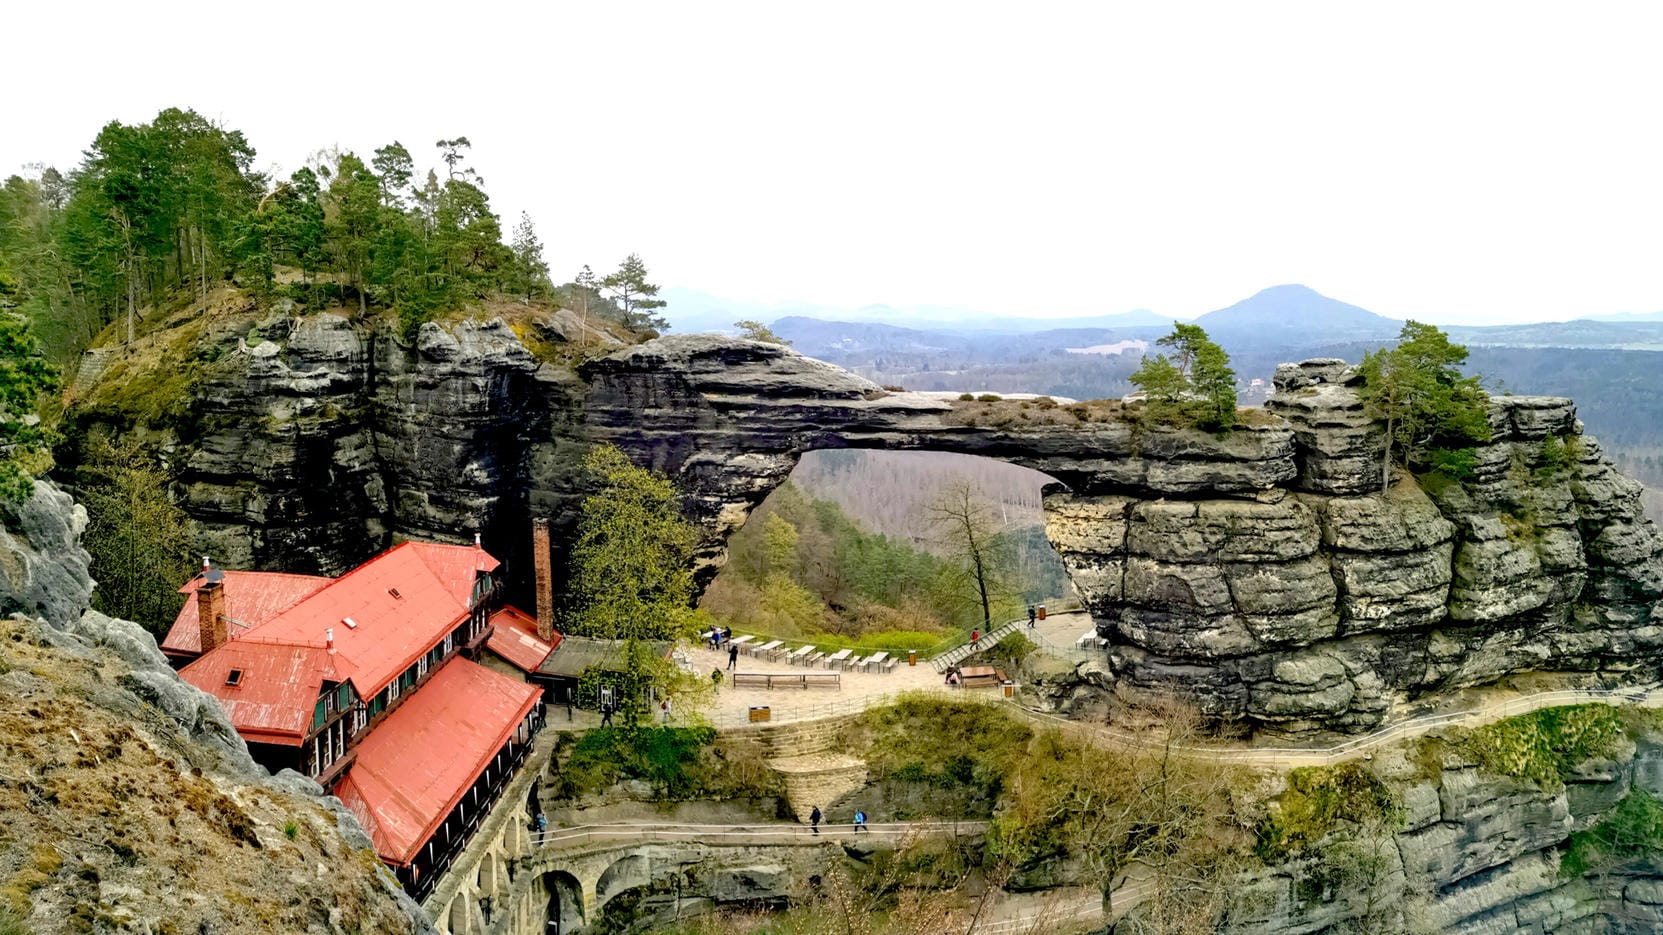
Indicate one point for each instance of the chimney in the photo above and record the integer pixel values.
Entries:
(210, 609)
(545, 578)
(329, 639)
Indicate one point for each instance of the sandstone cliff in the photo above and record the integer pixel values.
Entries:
(1259, 571)
(127, 801)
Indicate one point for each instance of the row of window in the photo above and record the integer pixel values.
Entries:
(330, 745)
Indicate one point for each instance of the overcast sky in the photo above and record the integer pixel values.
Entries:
(1459, 162)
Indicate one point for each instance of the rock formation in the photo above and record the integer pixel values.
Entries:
(1259, 571)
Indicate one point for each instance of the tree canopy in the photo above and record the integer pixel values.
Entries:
(1430, 409)
(757, 331)
(1195, 386)
(169, 209)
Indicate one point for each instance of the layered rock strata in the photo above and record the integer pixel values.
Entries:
(1259, 571)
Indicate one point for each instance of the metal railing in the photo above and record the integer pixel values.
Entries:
(738, 835)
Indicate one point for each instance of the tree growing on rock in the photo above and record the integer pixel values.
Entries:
(1431, 411)
(1195, 386)
(635, 296)
(757, 331)
(530, 268)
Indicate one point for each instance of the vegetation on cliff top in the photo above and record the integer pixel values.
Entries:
(173, 208)
(1432, 412)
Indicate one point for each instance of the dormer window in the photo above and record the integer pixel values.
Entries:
(234, 677)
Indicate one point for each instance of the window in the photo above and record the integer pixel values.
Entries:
(395, 594)
(234, 677)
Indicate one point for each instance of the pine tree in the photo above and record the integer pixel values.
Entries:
(634, 295)
(530, 267)
(1417, 389)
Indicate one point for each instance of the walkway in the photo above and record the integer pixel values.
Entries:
(791, 834)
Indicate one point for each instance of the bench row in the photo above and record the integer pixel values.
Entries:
(806, 655)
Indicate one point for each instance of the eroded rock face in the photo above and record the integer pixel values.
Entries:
(1261, 572)
(1476, 852)
(1326, 607)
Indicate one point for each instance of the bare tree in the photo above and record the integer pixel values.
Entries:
(968, 524)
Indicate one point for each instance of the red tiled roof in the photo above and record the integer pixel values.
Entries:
(276, 688)
(251, 598)
(391, 632)
(514, 638)
(415, 766)
(456, 566)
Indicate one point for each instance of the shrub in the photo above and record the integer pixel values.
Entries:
(1544, 746)
(944, 742)
(894, 388)
(1454, 463)
(291, 830)
(1633, 829)
(989, 398)
(967, 397)
(1317, 799)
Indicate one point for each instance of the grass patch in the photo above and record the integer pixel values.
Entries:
(1318, 799)
(1544, 746)
(939, 741)
(679, 763)
(1633, 829)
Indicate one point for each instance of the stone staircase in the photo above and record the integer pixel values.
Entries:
(953, 656)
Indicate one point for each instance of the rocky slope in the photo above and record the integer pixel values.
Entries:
(127, 801)
(1473, 850)
(1259, 571)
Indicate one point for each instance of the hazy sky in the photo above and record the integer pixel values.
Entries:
(1461, 162)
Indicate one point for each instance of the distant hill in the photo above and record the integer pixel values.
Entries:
(691, 310)
(1294, 316)
(1627, 334)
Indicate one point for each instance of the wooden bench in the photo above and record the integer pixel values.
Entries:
(875, 662)
(799, 655)
(835, 660)
(787, 680)
(980, 676)
(766, 650)
(743, 642)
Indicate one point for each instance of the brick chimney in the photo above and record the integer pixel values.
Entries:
(541, 560)
(210, 609)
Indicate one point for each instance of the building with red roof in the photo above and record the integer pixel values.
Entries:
(368, 684)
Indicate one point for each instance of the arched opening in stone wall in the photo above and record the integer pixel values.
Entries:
(880, 549)
(565, 903)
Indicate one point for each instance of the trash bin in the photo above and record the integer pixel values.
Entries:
(759, 713)
(1040, 611)
(912, 657)
(1010, 688)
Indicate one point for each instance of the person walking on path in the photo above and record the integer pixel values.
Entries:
(860, 820)
(606, 715)
(665, 707)
(975, 637)
(1032, 615)
(814, 819)
(733, 656)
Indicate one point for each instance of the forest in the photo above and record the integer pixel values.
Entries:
(163, 211)
(801, 567)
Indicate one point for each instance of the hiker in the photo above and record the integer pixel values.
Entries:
(860, 820)
(814, 819)
(542, 823)
(1032, 615)
(975, 637)
(606, 714)
(733, 655)
(665, 707)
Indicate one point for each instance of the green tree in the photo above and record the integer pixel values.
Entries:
(1195, 386)
(24, 376)
(530, 268)
(631, 575)
(635, 296)
(757, 331)
(353, 220)
(140, 542)
(1417, 389)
